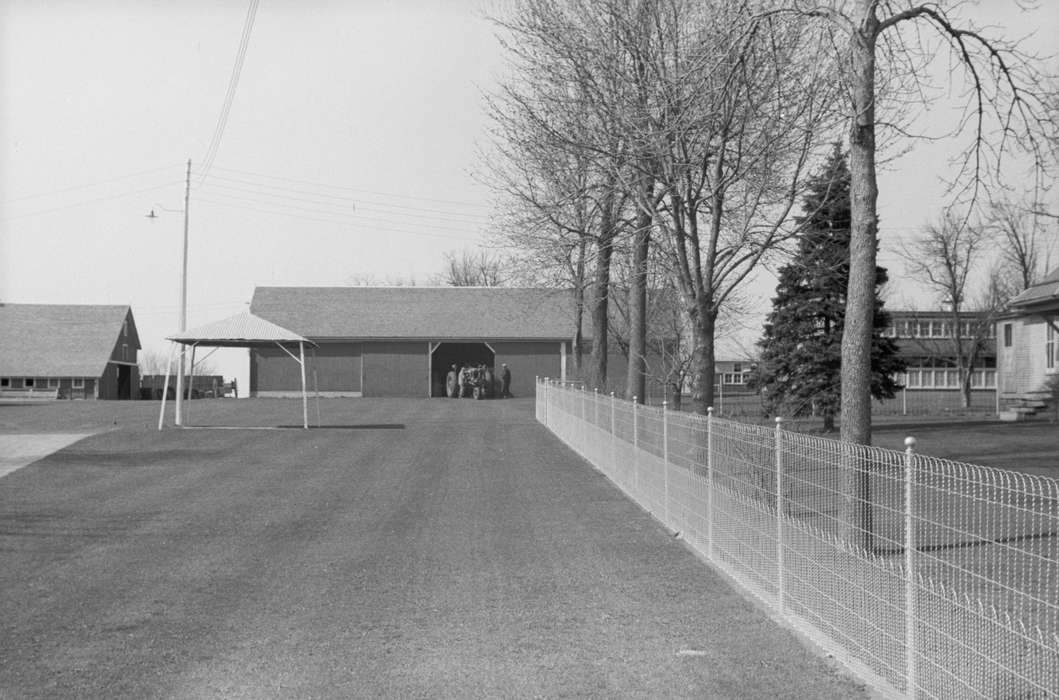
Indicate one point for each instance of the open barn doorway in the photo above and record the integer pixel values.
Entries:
(447, 354)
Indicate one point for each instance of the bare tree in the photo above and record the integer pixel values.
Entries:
(1007, 109)
(1024, 251)
(468, 268)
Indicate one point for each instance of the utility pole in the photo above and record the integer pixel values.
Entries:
(183, 303)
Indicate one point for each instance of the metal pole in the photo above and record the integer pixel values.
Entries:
(709, 482)
(665, 457)
(305, 397)
(191, 381)
(779, 515)
(635, 448)
(910, 584)
(613, 438)
(183, 300)
(165, 385)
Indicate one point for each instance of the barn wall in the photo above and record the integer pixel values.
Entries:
(273, 372)
(396, 369)
(528, 360)
(337, 368)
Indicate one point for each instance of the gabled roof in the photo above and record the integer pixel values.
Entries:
(1044, 293)
(60, 340)
(241, 330)
(421, 313)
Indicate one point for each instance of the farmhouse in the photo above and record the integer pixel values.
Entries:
(1028, 347)
(401, 341)
(73, 351)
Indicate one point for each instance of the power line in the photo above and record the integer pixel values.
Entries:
(89, 201)
(354, 189)
(348, 207)
(229, 96)
(467, 235)
(86, 186)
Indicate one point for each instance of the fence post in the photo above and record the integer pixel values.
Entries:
(547, 398)
(584, 428)
(613, 438)
(665, 459)
(635, 448)
(779, 515)
(595, 401)
(709, 483)
(910, 581)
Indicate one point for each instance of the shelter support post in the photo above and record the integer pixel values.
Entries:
(191, 380)
(165, 385)
(305, 396)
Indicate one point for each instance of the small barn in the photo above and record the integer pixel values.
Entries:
(77, 351)
(401, 341)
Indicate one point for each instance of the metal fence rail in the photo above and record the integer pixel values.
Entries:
(930, 578)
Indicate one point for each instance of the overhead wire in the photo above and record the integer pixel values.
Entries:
(229, 97)
(89, 201)
(459, 233)
(63, 190)
(355, 189)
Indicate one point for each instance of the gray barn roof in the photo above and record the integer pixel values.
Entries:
(60, 340)
(421, 313)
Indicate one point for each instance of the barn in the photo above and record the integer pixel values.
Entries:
(77, 351)
(400, 341)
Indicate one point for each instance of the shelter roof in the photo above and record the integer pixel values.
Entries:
(241, 330)
(1044, 293)
(60, 340)
(423, 313)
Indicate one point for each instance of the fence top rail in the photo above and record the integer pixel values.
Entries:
(937, 466)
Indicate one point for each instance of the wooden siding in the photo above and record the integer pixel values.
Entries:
(396, 369)
(528, 360)
(337, 368)
(273, 370)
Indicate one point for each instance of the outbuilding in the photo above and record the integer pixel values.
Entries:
(401, 341)
(78, 351)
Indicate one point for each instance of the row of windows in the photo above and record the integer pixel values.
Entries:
(937, 328)
(923, 378)
(50, 383)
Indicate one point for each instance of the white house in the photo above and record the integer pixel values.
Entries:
(1027, 351)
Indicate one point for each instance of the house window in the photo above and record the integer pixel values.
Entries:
(1007, 335)
(1049, 348)
(5, 382)
(30, 382)
(125, 328)
(78, 383)
(53, 383)
(124, 352)
(737, 367)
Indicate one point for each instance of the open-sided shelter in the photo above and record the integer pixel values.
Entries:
(243, 330)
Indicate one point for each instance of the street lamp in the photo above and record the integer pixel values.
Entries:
(183, 291)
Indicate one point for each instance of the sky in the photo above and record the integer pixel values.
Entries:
(347, 157)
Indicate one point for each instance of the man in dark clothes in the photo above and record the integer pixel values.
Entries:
(450, 382)
(505, 381)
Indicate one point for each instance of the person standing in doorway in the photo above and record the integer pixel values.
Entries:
(450, 382)
(505, 381)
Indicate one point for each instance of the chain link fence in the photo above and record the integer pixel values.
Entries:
(929, 578)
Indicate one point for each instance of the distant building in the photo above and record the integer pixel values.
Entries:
(79, 351)
(925, 339)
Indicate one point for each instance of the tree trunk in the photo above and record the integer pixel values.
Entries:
(579, 309)
(597, 362)
(703, 361)
(635, 384)
(855, 423)
(864, 194)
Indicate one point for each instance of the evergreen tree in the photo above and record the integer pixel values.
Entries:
(801, 351)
